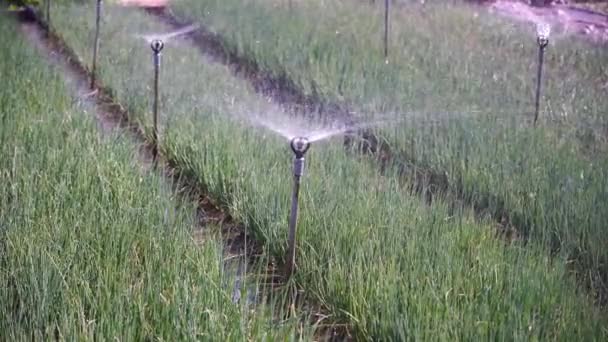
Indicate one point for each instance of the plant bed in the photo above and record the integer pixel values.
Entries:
(366, 247)
(92, 248)
(474, 92)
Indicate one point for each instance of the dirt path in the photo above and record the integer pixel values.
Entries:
(107, 123)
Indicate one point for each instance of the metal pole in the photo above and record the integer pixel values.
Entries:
(386, 9)
(157, 47)
(96, 44)
(299, 147)
(542, 45)
(48, 16)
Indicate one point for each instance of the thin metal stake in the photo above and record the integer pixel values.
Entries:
(157, 47)
(299, 147)
(48, 16)
(96, 44)
(542, 45)
(386, 18)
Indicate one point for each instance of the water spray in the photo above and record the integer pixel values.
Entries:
(299, 146)
(96, 44)
(165, 37)
(157, 46)
(542, 38)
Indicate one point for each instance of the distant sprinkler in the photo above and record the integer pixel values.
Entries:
(299, 146)
(543, 31)
(157, 43)
(157, 46)
(96, 44)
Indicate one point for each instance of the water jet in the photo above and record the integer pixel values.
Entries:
(165, 37)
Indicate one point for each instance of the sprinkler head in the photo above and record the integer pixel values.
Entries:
(157, 45)
(542, 33)
(299, 146)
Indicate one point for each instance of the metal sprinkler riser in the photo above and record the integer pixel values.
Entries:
(299, 146)
(298, 166)
(157, 46)
(543, 40)
(98, 14)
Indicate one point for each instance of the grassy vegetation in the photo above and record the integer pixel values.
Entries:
(92, 247)
(373, 257)
(469, 76)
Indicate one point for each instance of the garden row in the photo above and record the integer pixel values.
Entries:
(462, 81)
(372, 256)
(91, 245)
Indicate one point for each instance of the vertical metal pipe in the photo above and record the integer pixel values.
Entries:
(299, 147)
(298, 164)
(542, 44)
(157, 47)
(386, 18)
(48, 16)
(96, 45)
(155, 119)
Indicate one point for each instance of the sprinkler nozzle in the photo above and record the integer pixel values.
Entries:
(543, 30)
(157, 45)
(299, 146)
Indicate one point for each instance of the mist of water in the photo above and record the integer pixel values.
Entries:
(168, 35)
(543, 30)
(315, 131)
